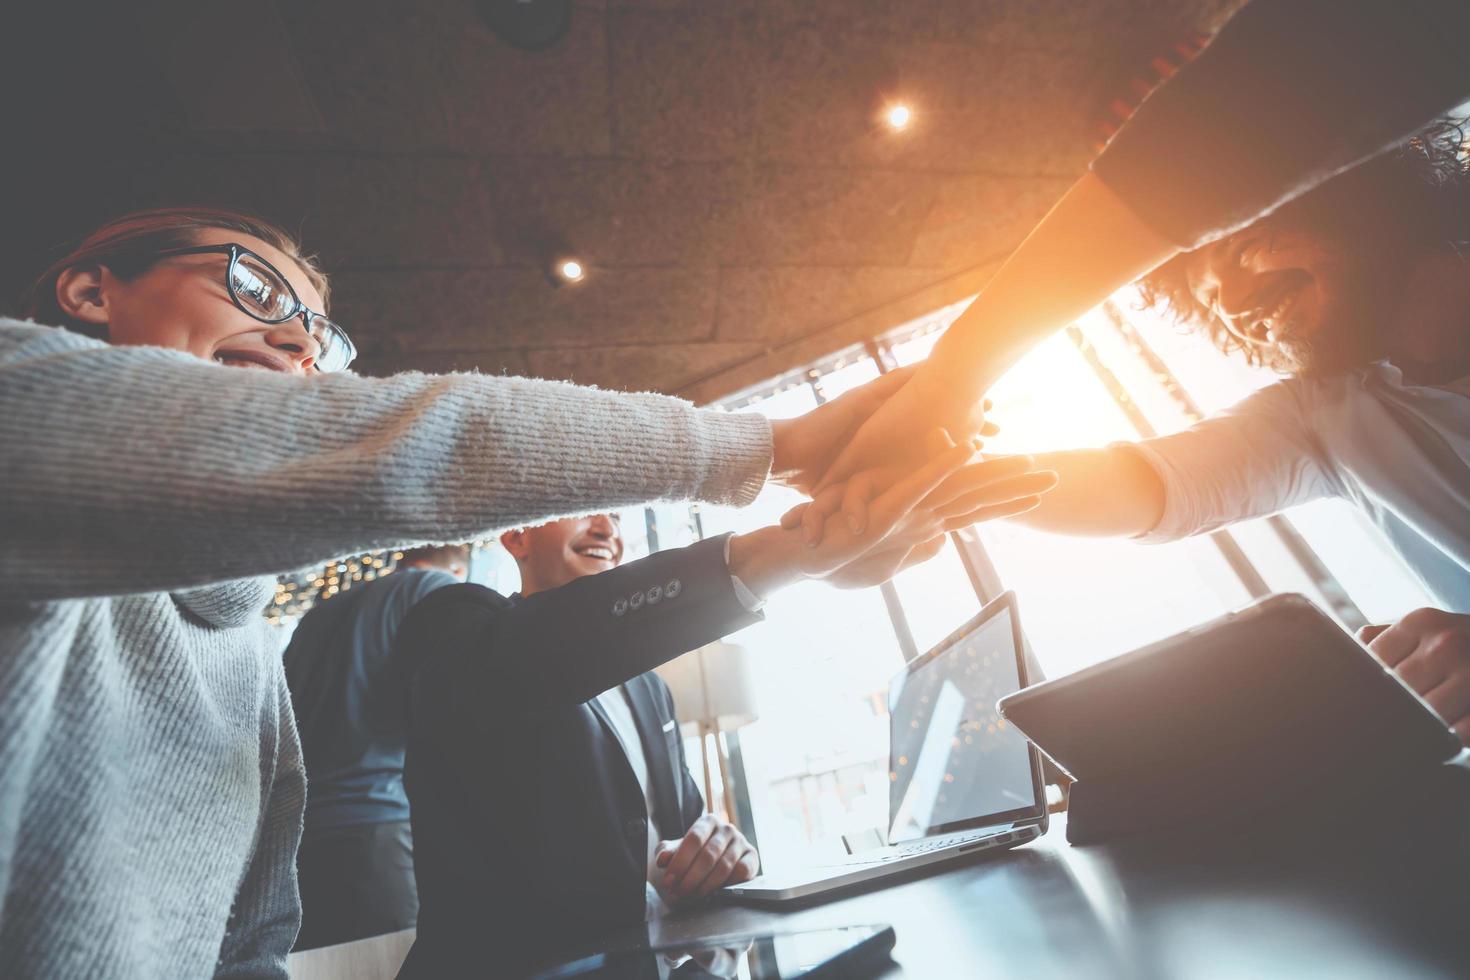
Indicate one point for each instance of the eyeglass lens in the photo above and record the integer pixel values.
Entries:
(261, 289)
(265, 294)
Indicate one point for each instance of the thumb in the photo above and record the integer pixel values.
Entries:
(664, 853)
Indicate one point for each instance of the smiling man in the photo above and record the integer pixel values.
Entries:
(1360, 293)
(546, 776)
(639, 722)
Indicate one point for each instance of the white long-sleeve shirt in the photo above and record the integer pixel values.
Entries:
(1400, 452)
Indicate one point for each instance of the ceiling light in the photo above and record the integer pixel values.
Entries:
(898, 116)
(570, 270)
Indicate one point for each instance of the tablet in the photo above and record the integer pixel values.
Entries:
(1275, 687)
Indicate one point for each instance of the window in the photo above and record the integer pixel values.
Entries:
(815, 762)
(813, 766)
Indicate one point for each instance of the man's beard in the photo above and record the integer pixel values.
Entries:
(1349, 333)
(1334, 349)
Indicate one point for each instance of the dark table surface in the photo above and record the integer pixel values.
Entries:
(1376, 887)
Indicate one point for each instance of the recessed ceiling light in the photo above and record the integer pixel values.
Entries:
(898, 116)
(570, 270)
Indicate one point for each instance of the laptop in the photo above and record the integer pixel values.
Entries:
(962, 780)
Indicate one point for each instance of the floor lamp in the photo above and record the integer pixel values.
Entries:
(713, 693)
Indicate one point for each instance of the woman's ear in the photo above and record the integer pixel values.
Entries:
(80, 295)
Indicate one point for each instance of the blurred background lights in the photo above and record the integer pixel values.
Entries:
(571, 270)
(899, 116)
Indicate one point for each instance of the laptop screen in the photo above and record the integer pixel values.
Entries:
(954, 762)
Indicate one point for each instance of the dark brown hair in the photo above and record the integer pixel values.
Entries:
(126, 246)
(1418, 194)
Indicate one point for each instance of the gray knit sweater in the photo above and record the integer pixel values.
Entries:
(151, 785)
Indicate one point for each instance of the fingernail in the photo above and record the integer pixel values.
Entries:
(855, 524)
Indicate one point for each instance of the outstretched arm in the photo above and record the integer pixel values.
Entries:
(1109, 492)
(1286, 96)
(566, 645)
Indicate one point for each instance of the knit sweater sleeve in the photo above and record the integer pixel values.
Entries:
(132, 469)
(1289, 93)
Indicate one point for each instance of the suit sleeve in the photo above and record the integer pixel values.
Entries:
(1289, 93)
(498, 660)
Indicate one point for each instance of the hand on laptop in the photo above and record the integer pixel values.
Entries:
(1430, 651)
(712, 854)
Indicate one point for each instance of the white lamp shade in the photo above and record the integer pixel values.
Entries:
(712, 686)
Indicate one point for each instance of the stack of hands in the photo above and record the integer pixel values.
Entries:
(901, 480)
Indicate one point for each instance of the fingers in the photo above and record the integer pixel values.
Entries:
(1368, 634)
(689, 849)
(1451, 700)
(1395, 644)
(712, 859)
(792, 518)
(712, 854)
(908, 492)
(988, 428)
(977, 475)
(1429, 650)
(993, 512)
(723, 872)
(855, 501)
(814, 518)
(1000, 492)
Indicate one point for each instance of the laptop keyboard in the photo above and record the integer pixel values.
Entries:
(901, 851)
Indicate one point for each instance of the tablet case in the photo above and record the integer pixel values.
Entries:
(1263, 709)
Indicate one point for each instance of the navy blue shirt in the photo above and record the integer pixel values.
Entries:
(351, 698)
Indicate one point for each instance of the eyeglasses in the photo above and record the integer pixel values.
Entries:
(259, 289)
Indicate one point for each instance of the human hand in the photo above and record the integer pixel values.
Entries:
(711, 854)
(768, 558)
(804, 446)
(1429, 649)
(1001, 487)
(893, 433)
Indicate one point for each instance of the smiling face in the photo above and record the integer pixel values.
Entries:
(554, 554)
(182, 302)
(1305, 302)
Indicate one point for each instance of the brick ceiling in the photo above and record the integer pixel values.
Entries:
(719, 165)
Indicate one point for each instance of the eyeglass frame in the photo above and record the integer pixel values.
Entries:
(234, 250)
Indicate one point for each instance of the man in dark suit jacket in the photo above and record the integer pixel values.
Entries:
(539, 816)
(533, 830)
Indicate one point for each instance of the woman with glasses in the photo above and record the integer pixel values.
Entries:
(151, 785)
